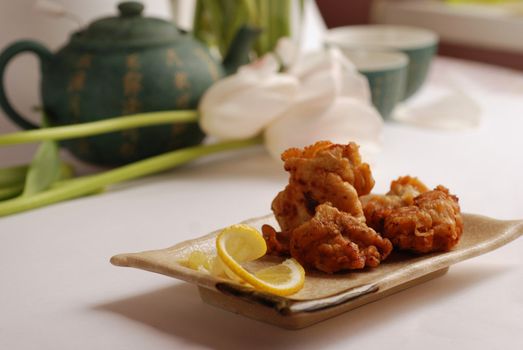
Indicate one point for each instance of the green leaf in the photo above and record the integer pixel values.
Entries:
(13, 175)
(44, 170)
(11, 191)
(83, 186)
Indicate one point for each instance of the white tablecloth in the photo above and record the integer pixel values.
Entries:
(58, 290)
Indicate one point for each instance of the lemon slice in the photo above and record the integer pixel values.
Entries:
(198, 260)
(242, 243)
(284, 279)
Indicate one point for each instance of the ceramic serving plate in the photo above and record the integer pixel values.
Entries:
(323, 296)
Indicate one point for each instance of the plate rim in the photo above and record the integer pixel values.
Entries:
(288, 307)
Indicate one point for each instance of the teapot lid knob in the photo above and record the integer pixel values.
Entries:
(130, 29)
(130, 8)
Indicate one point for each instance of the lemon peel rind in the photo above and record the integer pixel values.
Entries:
(257, 283)
(244, 228)
(297, 273)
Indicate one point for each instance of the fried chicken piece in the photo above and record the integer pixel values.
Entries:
(377, 208)
(432, 223)
(277, 242)
(402, 193)
(334, 240)
(413, 217)
(296, 203)
(323, 172)
(324, 156)
(407, 187)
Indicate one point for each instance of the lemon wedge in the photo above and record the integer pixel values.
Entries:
(241, 243)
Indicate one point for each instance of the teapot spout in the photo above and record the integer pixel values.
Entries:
(238, 53)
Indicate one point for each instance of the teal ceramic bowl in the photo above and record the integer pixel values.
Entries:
(386, 73)
(420, 45)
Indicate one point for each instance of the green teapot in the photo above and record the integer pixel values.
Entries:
(125, 65)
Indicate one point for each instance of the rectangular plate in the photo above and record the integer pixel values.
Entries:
(323, 295)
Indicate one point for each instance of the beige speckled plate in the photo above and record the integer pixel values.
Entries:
(323, 296)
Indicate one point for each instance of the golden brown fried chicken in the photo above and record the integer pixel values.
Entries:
(432, 223)
(378, 207)
(277, 242)
(413, 217)
(407, 187)
(325, 209)
(402, 193)
(334, 241)
(324, 156)
(323, 172)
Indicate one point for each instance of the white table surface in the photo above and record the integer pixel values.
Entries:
(58, 290)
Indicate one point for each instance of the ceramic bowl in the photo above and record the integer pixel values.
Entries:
(418, 44)
(386, 73)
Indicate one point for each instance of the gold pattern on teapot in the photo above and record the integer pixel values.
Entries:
(173, 58)
(132, 85)
(183, 100)
(131, 105)
(77, 82)
(133, 61)
(211, 66)
(183, 86)
(181, 80)
(84, 61)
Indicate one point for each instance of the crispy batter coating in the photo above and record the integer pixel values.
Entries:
(329, 220)
(277, 242)
(323, 172)
(402, 193)
(334, 241)
(407, 187)
(324, 156)
(432, 223)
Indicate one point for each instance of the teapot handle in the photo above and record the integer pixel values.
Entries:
(43, 54)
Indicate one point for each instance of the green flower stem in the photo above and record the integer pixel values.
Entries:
(99, 127)
(80, 187)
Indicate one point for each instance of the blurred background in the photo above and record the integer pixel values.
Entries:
(488, 31)
(481, 30)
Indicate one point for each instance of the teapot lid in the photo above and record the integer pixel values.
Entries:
(128, 30)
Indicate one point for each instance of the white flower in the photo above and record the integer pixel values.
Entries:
(320, 96)
(326, 75)
(333, 104)
(239, 106)
(344, 120)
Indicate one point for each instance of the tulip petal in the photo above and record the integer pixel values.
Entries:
(351, 82)
(247, 76)
(287, 51)
(267, 64)
(346, 119)
(247, 107)
(327, 74)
